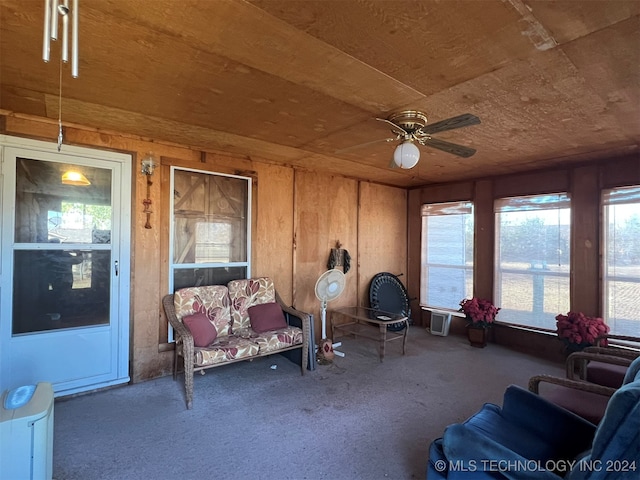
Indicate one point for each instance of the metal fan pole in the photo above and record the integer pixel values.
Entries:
(323, 316)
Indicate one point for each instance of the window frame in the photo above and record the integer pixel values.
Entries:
(458, 208)
(620, 195)
(172, 266)
(524, 203)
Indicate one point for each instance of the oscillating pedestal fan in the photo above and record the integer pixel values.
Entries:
(329, 286)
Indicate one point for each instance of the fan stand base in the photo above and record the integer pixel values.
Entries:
(325, 353)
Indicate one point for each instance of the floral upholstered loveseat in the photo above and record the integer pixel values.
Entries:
(217, 325)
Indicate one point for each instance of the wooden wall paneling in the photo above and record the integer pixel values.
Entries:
(162, 213)
(585, 240)
(484, 235)
(272, 239)
(414, 253)
(325, 211)
(449, 192)
(622, 172)
(382, 235)
(547, 181)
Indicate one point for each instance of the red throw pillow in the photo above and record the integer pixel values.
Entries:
(266, 316)
(203, 331)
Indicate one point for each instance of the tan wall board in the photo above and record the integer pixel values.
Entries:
(326, 211)
(273, 235)
(382, 235)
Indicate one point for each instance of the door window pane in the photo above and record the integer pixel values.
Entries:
(622, 260)
(532, 259)
(447, 254)
(54, 289)
(48, 210)
(62, 253)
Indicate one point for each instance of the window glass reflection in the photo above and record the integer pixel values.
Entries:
(56, 289)
(48, 210)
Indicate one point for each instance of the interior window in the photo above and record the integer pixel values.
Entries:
(210, 228)
(446, 273)
(532, 259)
(621, 215)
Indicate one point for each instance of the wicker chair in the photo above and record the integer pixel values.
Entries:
(586, 399)
(606, 373)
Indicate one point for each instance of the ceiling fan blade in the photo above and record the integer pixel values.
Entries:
(450, 123)
(459, 150)
(397, 127)
(362, 145)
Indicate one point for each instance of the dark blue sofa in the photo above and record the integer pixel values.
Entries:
(530, 437)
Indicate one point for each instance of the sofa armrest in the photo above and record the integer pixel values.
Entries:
(548, 421)
(535, 381)
(183, 335)
(301, 320)
(577, 361)
(471, 451)
(296, 318)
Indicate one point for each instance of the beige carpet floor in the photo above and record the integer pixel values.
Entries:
(354, 419)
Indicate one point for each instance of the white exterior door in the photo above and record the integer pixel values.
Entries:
(64, 267)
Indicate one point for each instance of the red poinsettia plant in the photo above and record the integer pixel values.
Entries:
(479, 311)
(578, 329)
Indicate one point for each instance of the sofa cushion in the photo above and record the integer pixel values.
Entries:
(212, 300)
(203, 331)
(273, 341)
(266, 316)
(226, 349)
(247, 293)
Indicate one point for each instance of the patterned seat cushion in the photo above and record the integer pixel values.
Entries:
(247, 293)
(226, 349)
(212, 300)
(278, 339)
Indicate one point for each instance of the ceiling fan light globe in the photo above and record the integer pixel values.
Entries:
(406, 155)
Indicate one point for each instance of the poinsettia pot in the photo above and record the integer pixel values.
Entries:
(477, 335)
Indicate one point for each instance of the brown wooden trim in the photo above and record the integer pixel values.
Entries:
(585, 270)
(483, 242)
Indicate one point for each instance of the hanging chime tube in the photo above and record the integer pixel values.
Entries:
(46, 38)
(54, 19)
(65, 33)
(74, 40)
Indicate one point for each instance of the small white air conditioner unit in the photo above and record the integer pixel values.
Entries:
(440, 323)
(26, 432)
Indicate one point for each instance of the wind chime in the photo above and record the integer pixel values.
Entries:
(54, 10)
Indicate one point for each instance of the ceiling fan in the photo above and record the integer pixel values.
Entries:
(410, 126)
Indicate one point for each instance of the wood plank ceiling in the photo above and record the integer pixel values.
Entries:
(295, 81)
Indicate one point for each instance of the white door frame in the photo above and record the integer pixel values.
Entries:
(122, 202)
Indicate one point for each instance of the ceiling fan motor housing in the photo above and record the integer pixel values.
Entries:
(409, 120)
